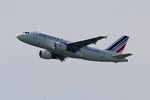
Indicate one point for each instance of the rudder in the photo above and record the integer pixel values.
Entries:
(119, 45)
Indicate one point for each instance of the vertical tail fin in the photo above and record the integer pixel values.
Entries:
(119, 45)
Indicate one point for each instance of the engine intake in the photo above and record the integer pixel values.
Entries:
(45, 54)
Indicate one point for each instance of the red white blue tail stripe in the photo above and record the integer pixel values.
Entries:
(119, 45)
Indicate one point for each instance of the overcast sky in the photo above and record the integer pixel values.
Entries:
(24, 76)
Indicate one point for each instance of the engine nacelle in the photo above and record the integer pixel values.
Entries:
(60, 46)
(45, 54)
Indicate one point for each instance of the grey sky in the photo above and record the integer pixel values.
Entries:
(24, 76)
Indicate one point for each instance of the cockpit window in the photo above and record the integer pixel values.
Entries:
(26, 32)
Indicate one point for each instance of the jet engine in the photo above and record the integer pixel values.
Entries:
(60, 46)
(45, 54)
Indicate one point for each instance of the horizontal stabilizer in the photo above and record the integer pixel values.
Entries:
(122, 56)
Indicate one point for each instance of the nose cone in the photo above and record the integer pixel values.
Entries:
(20, 37)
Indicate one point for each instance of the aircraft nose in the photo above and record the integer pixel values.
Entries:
(18, 36)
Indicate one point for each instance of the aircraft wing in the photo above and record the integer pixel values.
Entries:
(75, 46)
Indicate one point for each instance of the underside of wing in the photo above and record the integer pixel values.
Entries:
(59, 57)
(75, 46)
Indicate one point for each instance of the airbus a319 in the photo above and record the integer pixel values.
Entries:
(56, 48)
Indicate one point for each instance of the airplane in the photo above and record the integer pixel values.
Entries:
(56, 48)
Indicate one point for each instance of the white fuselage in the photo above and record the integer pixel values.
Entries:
(87, 53)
